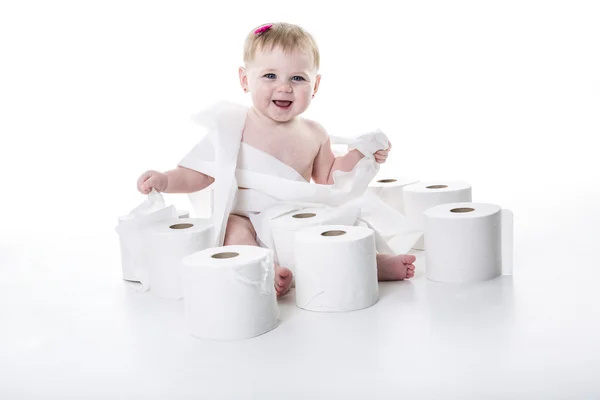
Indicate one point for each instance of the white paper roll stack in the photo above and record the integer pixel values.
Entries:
(390, 190)
(336, 268)
(229, 292)
(418, 197)
(285, 227)
(167, 243)
(468, 242)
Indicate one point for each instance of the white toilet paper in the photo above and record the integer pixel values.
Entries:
(202, 202)
(285, 226)
(183, 214)
(339, 150)
(131, 237)
(167, 242)
(229, 292)
(128, 262)
(336, 268)
(418, 197)
(468, 242)
(390, 190)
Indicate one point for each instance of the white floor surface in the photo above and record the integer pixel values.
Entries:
(71, 328)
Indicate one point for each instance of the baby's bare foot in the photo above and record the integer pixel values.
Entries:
(283, 280)
(395, 268)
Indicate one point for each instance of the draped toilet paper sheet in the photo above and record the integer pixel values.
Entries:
(418, 197)
(336, 268)
(167, 243)
(202, 202)
(398, 232)
(154, 202)
(339, 145)
(266, 181)
(229, 292)
(468, 242)
(339, 149)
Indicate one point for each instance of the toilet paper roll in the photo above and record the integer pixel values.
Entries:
(229, 292)
(128, 267)
(336, 268)
(418, 197)
(285, 227)
(183, 214)
(167, 242)
(390, 190)
(131, 230)
(468, 242)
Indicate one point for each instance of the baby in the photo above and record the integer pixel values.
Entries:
(280, 73)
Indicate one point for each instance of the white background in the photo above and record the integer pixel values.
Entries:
(504, 95)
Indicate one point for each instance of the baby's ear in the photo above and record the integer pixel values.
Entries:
(243, 78)
(317, 83)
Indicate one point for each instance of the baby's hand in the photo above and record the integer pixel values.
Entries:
(152, 179)
(382, 155)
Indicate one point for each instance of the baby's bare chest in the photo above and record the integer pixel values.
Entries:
(294, 147)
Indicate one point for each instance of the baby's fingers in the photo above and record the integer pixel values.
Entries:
(156, 182)
(151, 183)
(141, 183)
(144, 177)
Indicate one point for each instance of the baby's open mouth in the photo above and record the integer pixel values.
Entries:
(282, 103)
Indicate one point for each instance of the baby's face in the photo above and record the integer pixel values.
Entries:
(281, 84)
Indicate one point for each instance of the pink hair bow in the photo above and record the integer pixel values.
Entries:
(263, 28)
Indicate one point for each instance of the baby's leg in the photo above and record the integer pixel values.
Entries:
(240, 231)
(395, 268)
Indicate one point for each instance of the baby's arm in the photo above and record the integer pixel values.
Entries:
(178, 180)
(326, 162)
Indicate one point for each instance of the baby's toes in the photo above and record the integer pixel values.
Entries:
(280, 281)
(408, 259)
(283, 281)
(283, 273)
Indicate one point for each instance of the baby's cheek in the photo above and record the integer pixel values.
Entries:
(304, 91)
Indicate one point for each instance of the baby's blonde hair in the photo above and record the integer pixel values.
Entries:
(289, 37)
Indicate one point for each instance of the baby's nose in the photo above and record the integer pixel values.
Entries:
(286, 87)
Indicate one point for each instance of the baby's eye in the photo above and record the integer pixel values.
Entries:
(270, 76)
(298, 78)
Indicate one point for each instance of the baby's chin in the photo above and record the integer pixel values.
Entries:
(287, 114)
(283, 116)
